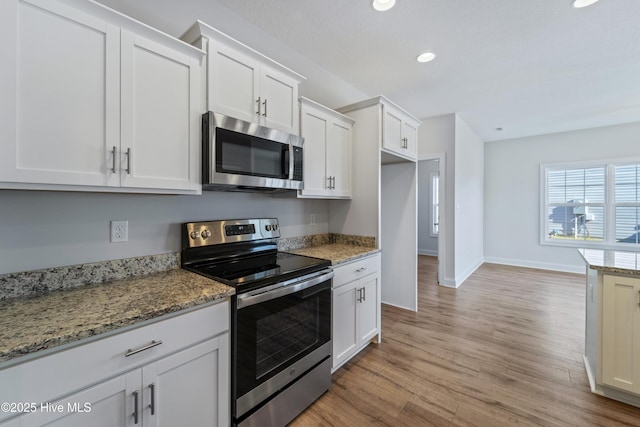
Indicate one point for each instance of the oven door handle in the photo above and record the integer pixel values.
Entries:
(280, 290)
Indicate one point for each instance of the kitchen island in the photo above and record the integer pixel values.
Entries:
(612, 328)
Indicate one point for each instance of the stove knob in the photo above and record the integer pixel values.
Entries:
(275, 226)
(268, 227)
(205, 233)
(194, 235)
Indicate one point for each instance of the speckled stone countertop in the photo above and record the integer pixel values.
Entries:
(33, 323)
(337, 253)
(612, 261)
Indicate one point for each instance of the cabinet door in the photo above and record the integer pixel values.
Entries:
(159, 109)
(621, 333)
(339, 158)
(279, 107)
(59, 117)
(345, 335)
(392, 130)
(110, 403)
(368, 308)
(314, 131)
(189, 388)
(410, 133)
(233, 83)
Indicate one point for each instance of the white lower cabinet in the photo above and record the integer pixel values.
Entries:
(620, 351)
(157, 388)
(356, 308)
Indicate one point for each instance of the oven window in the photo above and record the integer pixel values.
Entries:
(249, 155)
(284, 334)
(274, 334)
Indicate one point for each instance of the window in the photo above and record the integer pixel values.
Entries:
(591, 204)
(435, 203)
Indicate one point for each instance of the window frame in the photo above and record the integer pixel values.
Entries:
(609, 223)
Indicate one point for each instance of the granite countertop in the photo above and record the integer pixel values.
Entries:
(337, 253)
(33, 323)
(612, 261)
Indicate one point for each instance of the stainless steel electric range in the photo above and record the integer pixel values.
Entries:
(280, 316)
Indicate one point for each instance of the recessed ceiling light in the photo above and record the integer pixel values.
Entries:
(426, 57)
(498, 129)
(582, 3)
(383, 5)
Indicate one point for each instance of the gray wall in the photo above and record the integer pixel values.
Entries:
(42, 229)
(512, 190)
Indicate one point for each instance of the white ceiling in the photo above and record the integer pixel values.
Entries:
(530, 67)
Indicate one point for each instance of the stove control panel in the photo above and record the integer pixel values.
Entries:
(208, 233)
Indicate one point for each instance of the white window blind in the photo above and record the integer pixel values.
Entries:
(591, 205)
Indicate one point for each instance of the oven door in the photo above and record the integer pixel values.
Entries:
(281, 332)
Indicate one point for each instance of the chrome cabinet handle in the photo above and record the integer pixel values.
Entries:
(265, 107)
(259, 108)
(113, 159)
(638, 297)
(152, 405)
(364, 294)
(359, 297)
(329, 183)
(128, 161)
(135, 407)
(143, 348)
(360, 270)
(334, 183)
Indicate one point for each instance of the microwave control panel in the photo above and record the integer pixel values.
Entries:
(297, 164)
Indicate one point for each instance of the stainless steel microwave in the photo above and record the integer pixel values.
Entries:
(243, 156)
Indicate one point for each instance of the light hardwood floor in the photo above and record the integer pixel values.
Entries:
(504, 349)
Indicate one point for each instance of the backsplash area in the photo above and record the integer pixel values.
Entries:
(290, 243)
(51, 279)
(45, 280)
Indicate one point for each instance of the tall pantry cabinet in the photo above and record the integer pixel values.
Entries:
(385, 198)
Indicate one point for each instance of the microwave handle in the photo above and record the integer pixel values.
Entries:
(287, 161)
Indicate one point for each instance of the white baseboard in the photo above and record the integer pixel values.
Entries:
(429, 252)
(448, 283)
(590, 375)
(539, 265)
(469, 272)
(399, 306)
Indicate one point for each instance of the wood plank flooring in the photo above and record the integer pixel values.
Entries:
(504, 349)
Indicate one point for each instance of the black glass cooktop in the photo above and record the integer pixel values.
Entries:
(257, 270)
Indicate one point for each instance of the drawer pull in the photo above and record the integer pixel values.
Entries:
(360, 270)
(143, 348)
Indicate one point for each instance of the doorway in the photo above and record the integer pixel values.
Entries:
(431, 209)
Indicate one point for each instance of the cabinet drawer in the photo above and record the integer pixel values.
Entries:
(61, 373)
(354, 270)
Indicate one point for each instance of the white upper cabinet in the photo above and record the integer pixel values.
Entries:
(160, 137)
(400, 132)
(398, 129)
(95, 101)
(327, 152)
(245, 84)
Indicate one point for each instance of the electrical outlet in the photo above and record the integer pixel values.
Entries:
(312, 219)
(119, 231)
